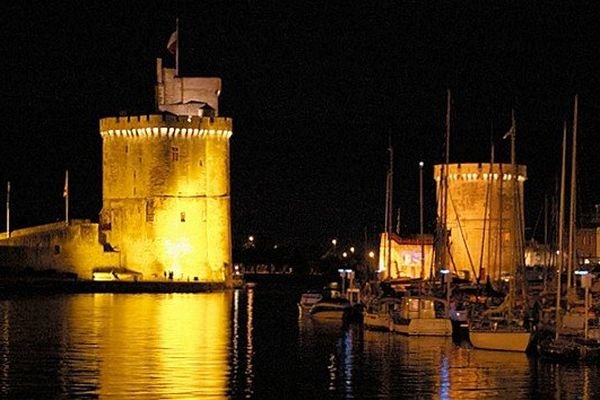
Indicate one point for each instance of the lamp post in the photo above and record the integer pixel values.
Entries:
(586, 283)
(421, 164)
(447, 276)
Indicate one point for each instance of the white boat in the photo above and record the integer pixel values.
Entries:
(422, 316)
(331, 308)
(308, 299)
(378, 313)
(499, 335)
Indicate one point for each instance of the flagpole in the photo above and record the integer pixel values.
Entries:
(66, 196)
(8, 209)
(177, 48)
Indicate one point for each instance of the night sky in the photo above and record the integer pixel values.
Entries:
(315, 89)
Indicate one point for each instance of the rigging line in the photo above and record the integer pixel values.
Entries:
(460, 229)
(486, 213)
(537, 223)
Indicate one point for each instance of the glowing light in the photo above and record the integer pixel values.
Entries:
(251, 238)
(371, 254)
(444, 271)
(177, 251)
(344, 254)
(334, 242)
(421, 164)
(581, 272)
(351, 249)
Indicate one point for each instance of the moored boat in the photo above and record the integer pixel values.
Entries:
(336, 308)
(499, 335)
(378, 313)
(422, 316)
(308, 299)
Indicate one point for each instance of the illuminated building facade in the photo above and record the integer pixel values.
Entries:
(484, 217)
(405, 258)
(165, 184)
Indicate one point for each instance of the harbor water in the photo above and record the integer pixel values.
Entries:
(251, 343)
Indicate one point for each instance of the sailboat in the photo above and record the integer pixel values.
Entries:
(506, 327)
(568, 343)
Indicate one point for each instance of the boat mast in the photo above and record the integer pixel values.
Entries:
(444, 185)
(389, 209)
(572, 207)
(513, 163)
(487, 218)
(561, 221)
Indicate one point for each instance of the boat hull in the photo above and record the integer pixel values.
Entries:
(500, 340)
(329, 314)
(424, 327)
(379, 322)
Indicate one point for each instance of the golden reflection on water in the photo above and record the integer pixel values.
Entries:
(249, 390)
(165, 346)
(4, 344)
(206, 346)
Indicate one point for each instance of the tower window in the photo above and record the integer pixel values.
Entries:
(126, 148)
(150, 211)
(174, 153)
(182, 216)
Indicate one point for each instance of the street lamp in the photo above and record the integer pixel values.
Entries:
(447, 276)
(421, 239)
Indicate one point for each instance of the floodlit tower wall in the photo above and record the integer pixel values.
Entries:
(166, 195)
(484, 216)
(166, 192)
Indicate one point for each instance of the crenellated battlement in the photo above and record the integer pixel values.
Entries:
(481, 171)
(166, 125)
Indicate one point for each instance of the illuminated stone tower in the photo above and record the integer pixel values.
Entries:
(165, 183)
(484, 217)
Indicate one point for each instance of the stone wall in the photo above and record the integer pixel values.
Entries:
(166, 195)
(485, 204)
(74, 248)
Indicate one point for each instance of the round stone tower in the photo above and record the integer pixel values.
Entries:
(484, 217)
(166, 191)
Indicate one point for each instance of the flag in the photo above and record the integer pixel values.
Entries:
(172, 43)
(510, 132)
(66, 188)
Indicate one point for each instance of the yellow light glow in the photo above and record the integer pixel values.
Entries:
(180, 340)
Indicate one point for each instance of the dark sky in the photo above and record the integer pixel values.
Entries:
(315, 88)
